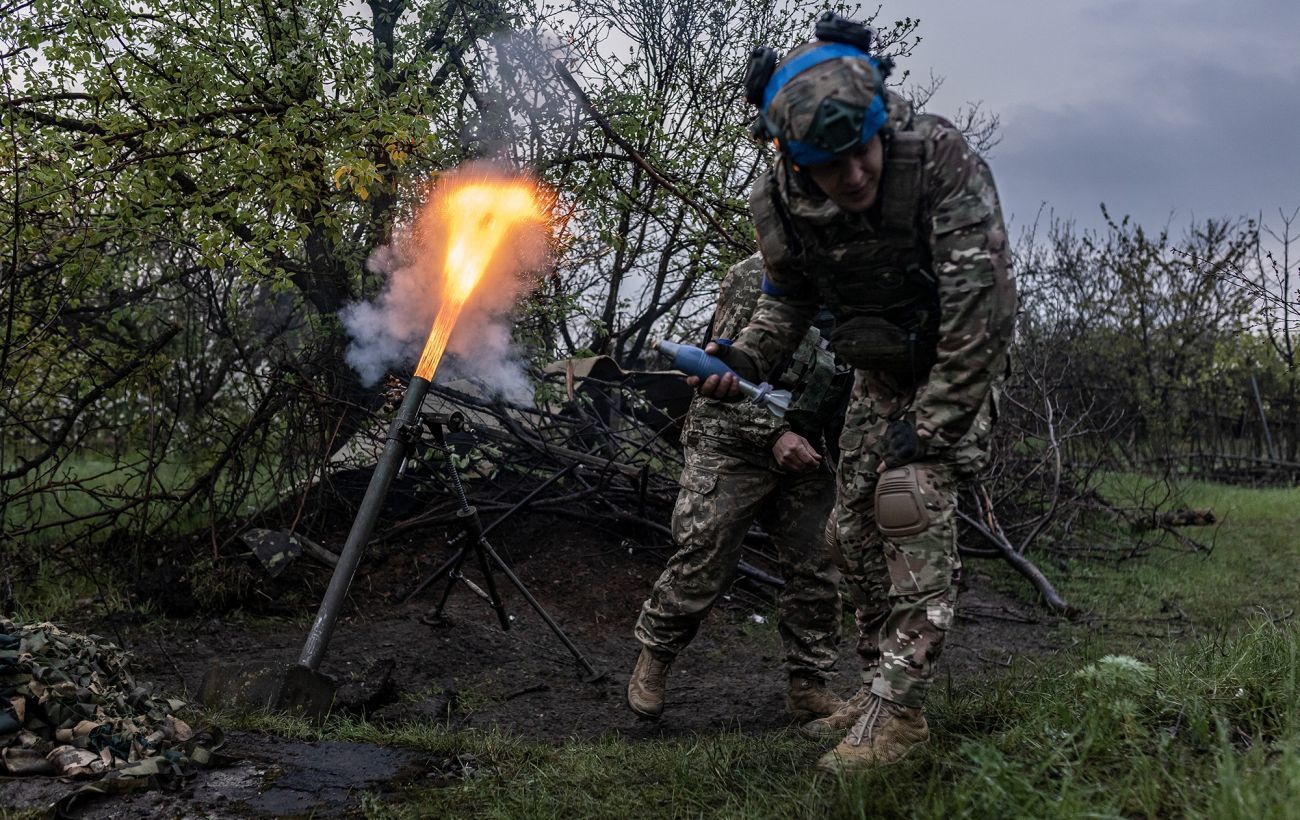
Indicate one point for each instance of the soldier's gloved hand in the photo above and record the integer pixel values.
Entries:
(793, 453)
(901, 445)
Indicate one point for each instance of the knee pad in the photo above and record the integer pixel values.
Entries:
(900, 505)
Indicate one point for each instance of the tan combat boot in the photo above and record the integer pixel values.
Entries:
(885, 732)
(646, 685)
(809, 697)
(839, 721)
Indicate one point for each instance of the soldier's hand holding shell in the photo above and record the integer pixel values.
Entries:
(726, 387)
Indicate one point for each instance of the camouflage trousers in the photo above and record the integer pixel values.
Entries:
(903, 588)
(721, 496)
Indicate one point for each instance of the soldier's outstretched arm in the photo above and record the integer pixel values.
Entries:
(976, 290)
(772, 335)
(737, 297)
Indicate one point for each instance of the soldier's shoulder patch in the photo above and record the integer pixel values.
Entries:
(961, 212)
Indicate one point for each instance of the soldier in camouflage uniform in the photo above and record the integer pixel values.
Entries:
(744, 464)
(890, 220)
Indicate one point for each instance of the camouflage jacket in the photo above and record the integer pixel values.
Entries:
(933, 246)
(743, 429)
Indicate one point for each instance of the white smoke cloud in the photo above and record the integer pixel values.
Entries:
(490, 359)
(389, 332)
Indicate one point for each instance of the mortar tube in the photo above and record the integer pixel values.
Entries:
(367, 514)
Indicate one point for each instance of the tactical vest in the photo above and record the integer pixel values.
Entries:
(874, 273)
(810, 377)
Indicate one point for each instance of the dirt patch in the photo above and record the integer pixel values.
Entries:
(523, 680)
(465, 669)
(272, 777)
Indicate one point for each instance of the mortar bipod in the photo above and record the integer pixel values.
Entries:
(473, 539)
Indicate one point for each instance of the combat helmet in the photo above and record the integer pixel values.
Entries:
(826, 97)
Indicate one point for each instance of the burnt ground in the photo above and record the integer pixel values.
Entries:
(468, 671)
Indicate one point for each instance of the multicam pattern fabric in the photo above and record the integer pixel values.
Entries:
(953, 249)
(741, 428)
(731, 480)
(903, 589)
(721, 497)
(931, 261)
(68, 706)
(745, 429)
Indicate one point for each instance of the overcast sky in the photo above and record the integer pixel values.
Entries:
(1167, 110)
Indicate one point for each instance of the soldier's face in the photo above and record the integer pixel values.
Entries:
(852, 179)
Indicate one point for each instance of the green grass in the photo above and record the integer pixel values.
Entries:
(1250, 570)
(1208, 729)
(82, 485)
(58, 598)
(86, 483)
(1198, 717)
(57, 533)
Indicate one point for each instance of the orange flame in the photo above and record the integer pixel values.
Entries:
(476, 216)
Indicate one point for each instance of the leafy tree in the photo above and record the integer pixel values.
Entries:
(193, 189)
(194, 186)
(1141, 324)
(657, 174)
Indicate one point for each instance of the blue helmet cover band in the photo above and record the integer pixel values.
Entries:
(875, 116)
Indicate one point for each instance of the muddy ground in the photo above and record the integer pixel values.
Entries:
(464, 669)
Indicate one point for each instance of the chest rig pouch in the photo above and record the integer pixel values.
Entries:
(810, 377)
(872, 271)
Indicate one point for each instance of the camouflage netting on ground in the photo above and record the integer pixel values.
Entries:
(69, 707)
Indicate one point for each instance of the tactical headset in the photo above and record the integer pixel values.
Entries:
(837, 125)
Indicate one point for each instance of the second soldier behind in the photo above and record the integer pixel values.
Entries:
(745, 465)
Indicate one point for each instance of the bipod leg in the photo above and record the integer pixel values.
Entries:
(444, 567)
(593, 674)
(474, 533)
(452, 568)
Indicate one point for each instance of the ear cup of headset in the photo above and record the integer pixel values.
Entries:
(762, 62)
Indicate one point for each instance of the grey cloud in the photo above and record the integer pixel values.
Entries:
(1197, 141)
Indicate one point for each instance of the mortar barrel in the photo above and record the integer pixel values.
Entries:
(362, 526)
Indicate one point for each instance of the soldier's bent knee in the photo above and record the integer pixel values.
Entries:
(900, 501)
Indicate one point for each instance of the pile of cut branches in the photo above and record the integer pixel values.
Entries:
(599, 445)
